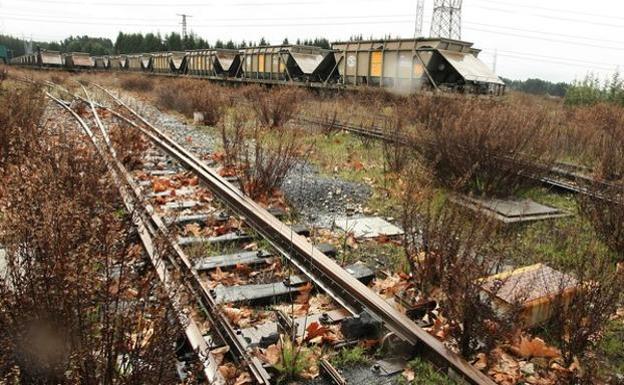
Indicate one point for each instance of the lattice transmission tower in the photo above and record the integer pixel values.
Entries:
(420, 11)
(446, 21)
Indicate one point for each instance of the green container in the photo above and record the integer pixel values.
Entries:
(4, 54)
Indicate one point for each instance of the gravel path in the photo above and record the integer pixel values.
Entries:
(319, 199)
(316, 198)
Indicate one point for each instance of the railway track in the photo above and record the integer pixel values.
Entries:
(196, 197)
(561, 176)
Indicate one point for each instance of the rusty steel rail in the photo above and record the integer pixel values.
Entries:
(320, 269)
(218, 320)
(147, 233)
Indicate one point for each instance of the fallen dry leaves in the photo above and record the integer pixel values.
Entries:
(390, 286)
(534, 347)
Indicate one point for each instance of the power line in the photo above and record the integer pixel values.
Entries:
(551, 17)
(535, 56)
(581, 13)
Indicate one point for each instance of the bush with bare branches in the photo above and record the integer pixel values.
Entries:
(274, 107)
(20, 118)
(606, 215)
(579, 320)
(481, 147)
(76, 303)
(190, 96)
(260, 156)
(137, 83)
(449, 251)
(129, 143)
(396, 152)
(268, 158)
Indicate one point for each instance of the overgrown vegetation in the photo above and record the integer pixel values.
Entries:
(188, 97)
(75, 304)
(274, 107)
(260, 156)
(592, 90)
(449, 251)
(468, 145)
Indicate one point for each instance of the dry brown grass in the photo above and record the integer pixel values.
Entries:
(130, 144)
(20, 118)
(137, 82)
(600, 130)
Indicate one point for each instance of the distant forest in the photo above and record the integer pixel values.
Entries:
(138, 43)
(538, 87)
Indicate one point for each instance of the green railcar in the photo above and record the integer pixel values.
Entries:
(4, 54)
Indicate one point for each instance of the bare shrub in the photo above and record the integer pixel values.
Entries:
(449, 251)
(75, 304)
(580, 319)
(268, 160)
(137, 83)
(604, 123)
(606, 215)
(328, 117)
(260, 156)
(171, 97)
(481, 147)
(397, 151)
(189, 96)
(274, 107)
(209, 100)
(129, 143)
(20, 118)
(233, 132)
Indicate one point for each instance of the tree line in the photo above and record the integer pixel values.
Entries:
(538, 87)
(128, 43)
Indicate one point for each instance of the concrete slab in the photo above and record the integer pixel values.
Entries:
(2, 262)
(275, 292)
(512, 210)
(367, 227)
(231, 260)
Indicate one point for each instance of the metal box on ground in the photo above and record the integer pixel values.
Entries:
(534, 289)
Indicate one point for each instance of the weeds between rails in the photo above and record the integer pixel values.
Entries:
(70, 265)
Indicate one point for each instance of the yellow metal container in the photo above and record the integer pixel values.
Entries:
(532, 289)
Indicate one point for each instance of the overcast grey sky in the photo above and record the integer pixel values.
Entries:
(558, 40)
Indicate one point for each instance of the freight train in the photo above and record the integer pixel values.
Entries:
(406, 65)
